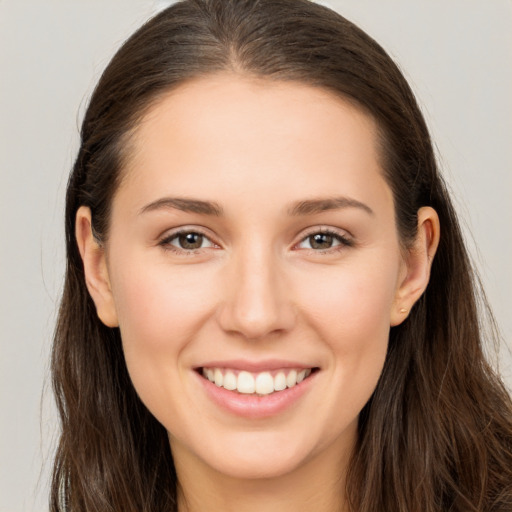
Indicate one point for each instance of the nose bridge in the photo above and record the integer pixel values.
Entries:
(256, 300)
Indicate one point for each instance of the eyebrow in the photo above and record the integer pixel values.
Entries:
(185, 205)
(312, 206)
(300, 208)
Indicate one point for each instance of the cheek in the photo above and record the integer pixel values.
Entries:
(158, 306)
(351, 302)
(160, 309)
(350, 311)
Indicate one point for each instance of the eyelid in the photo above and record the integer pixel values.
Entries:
(344, 237)
(165, 239)
(326, 229)
(339, 235)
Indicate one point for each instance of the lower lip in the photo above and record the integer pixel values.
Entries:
(256, 406)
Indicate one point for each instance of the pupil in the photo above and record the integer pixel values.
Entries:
(321, 241)
(191, 240)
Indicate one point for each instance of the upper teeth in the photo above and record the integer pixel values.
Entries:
(262, 383)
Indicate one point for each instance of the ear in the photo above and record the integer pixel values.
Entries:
(95, 268)
(415, 274)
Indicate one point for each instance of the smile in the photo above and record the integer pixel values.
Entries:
(261, 383)
(256, 390)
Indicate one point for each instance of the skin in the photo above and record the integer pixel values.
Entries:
(257, 288)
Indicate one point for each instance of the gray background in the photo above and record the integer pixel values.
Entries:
(456, 54)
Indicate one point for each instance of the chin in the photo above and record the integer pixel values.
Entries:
(257, 455)
(253, 466)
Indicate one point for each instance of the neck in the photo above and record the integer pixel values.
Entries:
(319, 484)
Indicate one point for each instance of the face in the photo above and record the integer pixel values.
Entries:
(253, 243)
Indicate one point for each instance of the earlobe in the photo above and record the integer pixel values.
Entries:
(95, 268)
(416, 274)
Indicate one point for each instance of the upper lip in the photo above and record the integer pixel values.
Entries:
(255, 366)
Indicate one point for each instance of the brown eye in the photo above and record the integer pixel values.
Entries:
(186, 242)
(190, 240)
(321, 241)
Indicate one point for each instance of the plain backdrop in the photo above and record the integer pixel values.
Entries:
(457, 55)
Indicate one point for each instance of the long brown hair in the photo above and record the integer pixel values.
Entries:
(437, 433)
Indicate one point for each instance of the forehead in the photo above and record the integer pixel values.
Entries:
(251, 134)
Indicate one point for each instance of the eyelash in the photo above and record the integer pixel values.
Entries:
(344, 242)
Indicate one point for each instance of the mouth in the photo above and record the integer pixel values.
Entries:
(263, 383)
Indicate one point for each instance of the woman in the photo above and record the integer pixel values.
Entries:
(268, 303)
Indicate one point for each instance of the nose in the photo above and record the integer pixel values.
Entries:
(256, 299)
